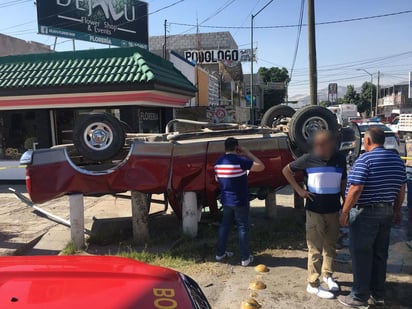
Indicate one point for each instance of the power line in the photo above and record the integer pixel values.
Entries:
(247, 18)
(214, 14)
(295, 26)
(13, 3)
(295, 55)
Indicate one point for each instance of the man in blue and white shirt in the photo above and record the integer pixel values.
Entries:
(374, 196)
(325, 171)
(232, 172)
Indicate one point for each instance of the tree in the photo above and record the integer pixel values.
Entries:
(274, 74)
(351, 96)
(368, 93)
(324, 103)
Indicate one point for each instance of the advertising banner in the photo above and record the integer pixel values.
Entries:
(212, 56)
(113, 22)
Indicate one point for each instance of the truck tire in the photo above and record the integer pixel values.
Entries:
(277, 115)
(356, 152)
(306, 121)
(98, 136)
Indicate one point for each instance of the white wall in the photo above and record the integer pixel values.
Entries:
(187, 70)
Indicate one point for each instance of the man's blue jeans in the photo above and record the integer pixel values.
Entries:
(409, 186)
(241, 215)
(369, 233)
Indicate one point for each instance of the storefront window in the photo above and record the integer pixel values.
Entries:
(23, 130)
(149, 120)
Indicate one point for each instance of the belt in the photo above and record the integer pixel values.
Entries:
(374, 205)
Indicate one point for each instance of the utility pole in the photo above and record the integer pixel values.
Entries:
(252, 22)
(313, 71)
(378, 86)
(165, 43)
(252, 55)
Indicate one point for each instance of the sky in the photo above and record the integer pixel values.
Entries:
(343, 49)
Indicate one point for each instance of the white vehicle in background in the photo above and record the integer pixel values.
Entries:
(344, 112)
(394, 125)
(404, 126)
(391, 138)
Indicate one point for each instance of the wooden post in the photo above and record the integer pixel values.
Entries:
(270, 205)
(190, 215)
(140, 217)
(76, 205)
(298, 201)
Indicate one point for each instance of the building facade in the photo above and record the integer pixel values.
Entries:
(14, 46)
(42, 95)
(394, 99)
(218, 77)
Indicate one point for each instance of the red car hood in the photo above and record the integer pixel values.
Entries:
(79, 282)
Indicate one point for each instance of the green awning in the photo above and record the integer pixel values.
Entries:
(65, 72)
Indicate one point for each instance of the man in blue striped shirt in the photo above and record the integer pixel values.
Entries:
(325, 171)
(374, 196)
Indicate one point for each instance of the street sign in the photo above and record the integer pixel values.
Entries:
(333, 92)
(333, 89)
(113, 22)
(245, 55)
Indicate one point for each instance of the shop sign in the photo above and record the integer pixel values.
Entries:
(113, 22)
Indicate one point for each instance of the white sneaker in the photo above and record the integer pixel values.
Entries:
(378, 301)
(227, 254)
(248, 261)
(332, 285)
(320, 292)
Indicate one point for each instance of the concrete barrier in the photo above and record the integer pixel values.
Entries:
(190, 214)
(76, 204)
(140, 217)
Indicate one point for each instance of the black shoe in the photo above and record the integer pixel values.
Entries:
(348, 301)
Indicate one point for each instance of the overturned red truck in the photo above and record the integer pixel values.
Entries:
(106, 160)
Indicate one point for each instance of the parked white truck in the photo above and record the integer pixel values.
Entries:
(344, 112)
(404, 126)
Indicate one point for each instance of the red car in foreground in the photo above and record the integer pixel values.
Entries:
(94, 282)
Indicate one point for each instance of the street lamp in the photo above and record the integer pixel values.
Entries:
(371, 75)
(252, 56)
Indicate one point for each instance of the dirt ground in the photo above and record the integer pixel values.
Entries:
(279, 244)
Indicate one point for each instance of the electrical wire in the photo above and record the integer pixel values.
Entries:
(295, 54)
(13, 3)
(214, 14)
(295, 26)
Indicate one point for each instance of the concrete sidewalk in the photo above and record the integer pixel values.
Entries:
(24, 232)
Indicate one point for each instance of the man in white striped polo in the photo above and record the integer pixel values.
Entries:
(374, 197)
(325, 171)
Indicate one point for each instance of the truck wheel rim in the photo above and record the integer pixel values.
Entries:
(98, 136)
(312, 125)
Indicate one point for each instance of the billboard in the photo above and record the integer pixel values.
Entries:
(212, 56)
(332, 92)
(113, 22)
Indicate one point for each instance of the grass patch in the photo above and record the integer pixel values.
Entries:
(165, 259)
(70, 249)
(176, 251)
